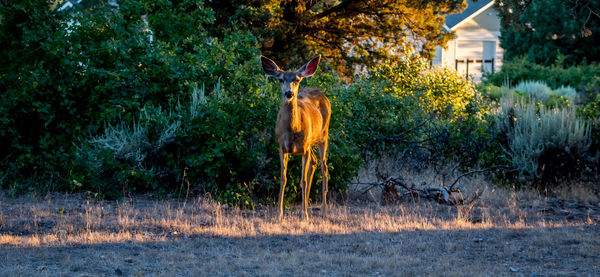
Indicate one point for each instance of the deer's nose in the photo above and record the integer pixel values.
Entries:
(288, 94)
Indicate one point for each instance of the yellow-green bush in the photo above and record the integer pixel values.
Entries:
(437, 91)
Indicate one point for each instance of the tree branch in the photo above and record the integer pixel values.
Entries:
(338, 8)
(439, 194)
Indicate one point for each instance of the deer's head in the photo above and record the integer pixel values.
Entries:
(290, 80)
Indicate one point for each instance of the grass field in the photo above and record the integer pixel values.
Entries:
(504, 233)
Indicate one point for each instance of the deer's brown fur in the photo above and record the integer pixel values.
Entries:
(302, 122)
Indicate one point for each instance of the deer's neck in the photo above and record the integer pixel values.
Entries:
(292, 115)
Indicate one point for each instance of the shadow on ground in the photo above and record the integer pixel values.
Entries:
(568, 250)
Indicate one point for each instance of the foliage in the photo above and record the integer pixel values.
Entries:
(345, 32)
(439, 92)
(109, 101)
(545, 139)
(537, 90)
(591, 112)
(493, 92)
(404, 106)
(228, 145)
(126, 158)
(566, 92)
(572, 29)
(240, 165)
(583, 77)
(28, 35)
(543, 143)
(207, 142)
(68, 75)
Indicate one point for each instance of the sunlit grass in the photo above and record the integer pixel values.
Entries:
(74, 220)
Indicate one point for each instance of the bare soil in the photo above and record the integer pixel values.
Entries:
(505, 234)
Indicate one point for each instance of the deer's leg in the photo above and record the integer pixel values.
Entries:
(311, 172)
(324, 172)
(284, 161)
(303, 182)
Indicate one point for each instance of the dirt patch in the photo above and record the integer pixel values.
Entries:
(516, 234)
(539, 251)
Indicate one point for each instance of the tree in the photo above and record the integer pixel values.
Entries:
(346, 32)
(65, 74)
(546, 29)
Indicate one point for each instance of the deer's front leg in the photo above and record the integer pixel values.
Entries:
(303, 182)
(283, 157)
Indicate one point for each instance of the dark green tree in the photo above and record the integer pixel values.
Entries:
(545, 29)
(66, 74)
(346, 32)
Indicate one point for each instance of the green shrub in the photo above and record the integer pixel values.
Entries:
(555, 101)
(490, 91)
(404, 106)
(228, 144)
(74, 79)
(222, 140)
(591, 112)
(583, 77)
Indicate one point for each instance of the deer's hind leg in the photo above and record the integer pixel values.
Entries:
(303, 182)
(323, 155)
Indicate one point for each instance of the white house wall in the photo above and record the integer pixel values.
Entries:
(483, 27)
(469, 41)
(449, 54)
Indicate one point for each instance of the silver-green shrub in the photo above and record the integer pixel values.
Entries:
(538, 90)
(125, 151)
(124, 143)
(566, 92)
(533, 131)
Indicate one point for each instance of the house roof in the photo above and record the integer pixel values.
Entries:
(474, 8)
(68, 4)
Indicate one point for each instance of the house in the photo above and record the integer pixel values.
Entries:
(476, 48)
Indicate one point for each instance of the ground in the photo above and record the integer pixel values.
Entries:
(512, 233)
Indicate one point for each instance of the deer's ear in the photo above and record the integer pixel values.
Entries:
(269, 67)
(309, 68)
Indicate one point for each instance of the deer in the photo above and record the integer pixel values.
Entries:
(302, 123)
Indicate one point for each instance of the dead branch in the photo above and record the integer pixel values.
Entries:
(394, 189)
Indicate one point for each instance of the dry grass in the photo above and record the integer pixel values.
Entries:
(71, 235)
